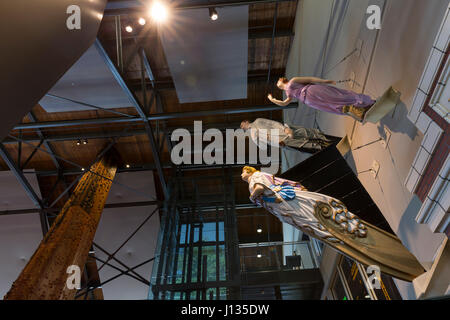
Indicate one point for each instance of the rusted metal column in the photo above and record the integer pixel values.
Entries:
(69, 239)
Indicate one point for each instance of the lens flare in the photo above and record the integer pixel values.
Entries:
(158, 12)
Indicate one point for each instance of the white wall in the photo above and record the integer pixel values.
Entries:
(20, 234)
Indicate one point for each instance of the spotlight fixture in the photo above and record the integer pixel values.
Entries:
(82, 169)
(127, 165)
(141, 21)
(259, 255)
(213, 14)
(158, 11)
(259, 230)
(85, 141)
(78, 142)
(128, 29)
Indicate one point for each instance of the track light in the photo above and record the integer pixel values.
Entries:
(259, 255)
(82, 169)
(128, 29)
(259, 230)
(78, 142)
(141, 21)
(85, 141)
(127, 165)
(213, 14)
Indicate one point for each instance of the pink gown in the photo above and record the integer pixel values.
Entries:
(327, 98)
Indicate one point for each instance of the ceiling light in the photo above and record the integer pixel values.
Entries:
(85, 141)
(158, 11)
(128, 28)
(141, 21)
(259, 255)
(259, 230)
(127, 166)
(213, 14)
(78, 142)
(82, 169)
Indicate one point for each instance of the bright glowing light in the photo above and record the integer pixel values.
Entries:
(259, 255)
(259, 230)
(158, 11)
(82, 169)
(128, 28)
(127, 166)
(213, 14)
(141, 21)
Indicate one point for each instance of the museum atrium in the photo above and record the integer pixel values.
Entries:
(97, 95)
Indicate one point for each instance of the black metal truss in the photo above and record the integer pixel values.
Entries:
(27, 186)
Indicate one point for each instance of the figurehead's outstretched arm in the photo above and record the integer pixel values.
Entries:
(307, 80)
(281, 103)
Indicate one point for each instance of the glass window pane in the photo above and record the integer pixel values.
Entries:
(211, 294)
(179, 271)
(223, 293)
(196, 235)
(210, 252)
(209, 231)
(221, 231)
(177, 296)
(183, 234)
(222, 263)
(194, 264)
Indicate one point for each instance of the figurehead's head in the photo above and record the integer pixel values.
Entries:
(281, 83)
(247, 172)
(245, 125)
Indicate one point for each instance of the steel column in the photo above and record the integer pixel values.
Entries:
(139, 108)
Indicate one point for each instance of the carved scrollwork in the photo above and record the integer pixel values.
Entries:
(346, 221)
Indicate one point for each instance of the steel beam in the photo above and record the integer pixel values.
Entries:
(256, 32)
(135, 7)
(117, 134)
(159, 105)
(47, 145)
(149, 167)
(154, 117)
(139, 108)
(272, 41)
(26, 185)
(87, 105)
(167, 83)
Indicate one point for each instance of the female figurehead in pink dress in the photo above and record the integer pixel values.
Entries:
(317, 94)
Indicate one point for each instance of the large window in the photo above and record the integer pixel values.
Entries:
(201, 259)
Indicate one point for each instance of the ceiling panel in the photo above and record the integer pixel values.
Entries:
(90, 81)
(208, 59)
